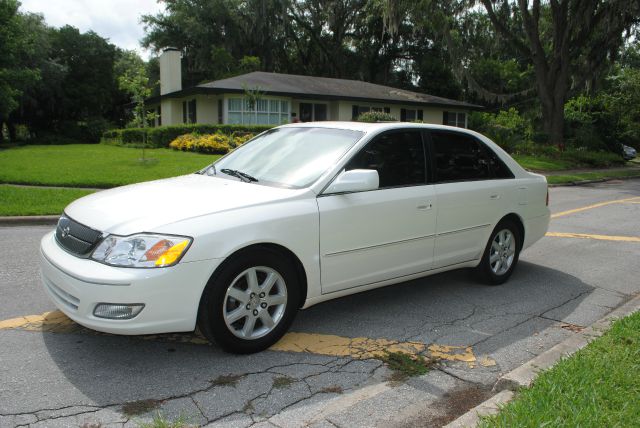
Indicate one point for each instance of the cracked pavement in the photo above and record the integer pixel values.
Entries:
(79, 379)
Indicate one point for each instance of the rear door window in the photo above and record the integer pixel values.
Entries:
(460, 157)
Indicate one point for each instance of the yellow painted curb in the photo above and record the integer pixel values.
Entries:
(314, 343)
(589, 207)
(591, 236)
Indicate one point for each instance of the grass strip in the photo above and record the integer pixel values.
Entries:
(596, 387)
(21, 201)
(570, 178)
(94, 165)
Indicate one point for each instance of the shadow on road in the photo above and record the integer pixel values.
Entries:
(449, 308)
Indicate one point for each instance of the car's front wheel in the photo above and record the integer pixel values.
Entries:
(501, 253)
(250, 302)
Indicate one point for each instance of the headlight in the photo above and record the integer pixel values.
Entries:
(141, 251)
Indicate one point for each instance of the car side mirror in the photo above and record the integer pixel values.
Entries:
(356, 180)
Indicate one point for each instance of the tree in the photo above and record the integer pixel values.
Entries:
(89, 81)
(16, 75)
(135, 82)
(331, 38)
(564, 40)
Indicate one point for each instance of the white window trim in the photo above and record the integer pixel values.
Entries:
(466, 118)
(227, 98)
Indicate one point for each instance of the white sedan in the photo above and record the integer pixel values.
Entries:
(301, 214)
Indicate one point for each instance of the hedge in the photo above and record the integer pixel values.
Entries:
(162, 136)
(217, 143)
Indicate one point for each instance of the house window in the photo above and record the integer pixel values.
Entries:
(312, 112)
(356, 111)
(263, 111)
(410, 115)
(189, 112)
(220, 117)
(159, 113)
(453, 118)
(193, 118)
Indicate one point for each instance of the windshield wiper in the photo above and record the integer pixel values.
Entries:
(239, 174)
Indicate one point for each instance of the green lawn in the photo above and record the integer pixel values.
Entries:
(542, 163)
(93, 165)
(104, 166)
(596, 387)
(569, 178)
(36, 201)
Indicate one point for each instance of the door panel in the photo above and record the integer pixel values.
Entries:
(373, 236)
(473, 192)
(467, 212)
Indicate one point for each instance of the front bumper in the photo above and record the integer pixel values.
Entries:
(171, 295)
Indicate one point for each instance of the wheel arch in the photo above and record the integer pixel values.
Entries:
(518, 221)
(287, 253)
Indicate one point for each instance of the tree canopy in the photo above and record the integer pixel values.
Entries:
(530, 54)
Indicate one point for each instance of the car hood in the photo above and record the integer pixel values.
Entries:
(145, 206)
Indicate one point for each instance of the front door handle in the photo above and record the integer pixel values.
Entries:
(425, 207)
(495, 196)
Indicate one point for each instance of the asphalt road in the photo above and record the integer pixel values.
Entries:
(65, 376)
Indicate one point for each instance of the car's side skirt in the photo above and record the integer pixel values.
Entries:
(366, 287)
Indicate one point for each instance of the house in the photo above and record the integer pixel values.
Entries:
(273, 99)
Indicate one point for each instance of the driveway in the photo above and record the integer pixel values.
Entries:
(328, 370)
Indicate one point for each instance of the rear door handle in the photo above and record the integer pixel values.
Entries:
(495, 196)
(425, 207)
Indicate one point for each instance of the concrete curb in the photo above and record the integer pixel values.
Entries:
(524, 375)
(31, 220)
(486, 408)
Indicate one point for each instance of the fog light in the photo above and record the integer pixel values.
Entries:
(115, 311)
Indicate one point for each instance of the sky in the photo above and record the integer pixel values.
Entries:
(116, 20)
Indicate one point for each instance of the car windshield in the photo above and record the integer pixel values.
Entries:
(289, 157)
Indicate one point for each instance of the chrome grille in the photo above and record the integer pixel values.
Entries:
(75, 237)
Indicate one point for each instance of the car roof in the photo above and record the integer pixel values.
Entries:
(372, 127)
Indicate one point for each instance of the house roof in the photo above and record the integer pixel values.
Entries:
(312, 87)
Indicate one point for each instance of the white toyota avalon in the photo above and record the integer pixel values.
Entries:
(301, 214)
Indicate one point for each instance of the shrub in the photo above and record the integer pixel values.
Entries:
(52, 139)
(162, 136)
(507, 127)
(590, 122)
(376, 116)
(530, 148)
(596, 159)
(217, 143)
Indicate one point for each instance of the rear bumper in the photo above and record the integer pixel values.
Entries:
(171, 295)
(535, 229)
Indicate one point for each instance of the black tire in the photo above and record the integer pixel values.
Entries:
(484, 270)
(211, 318)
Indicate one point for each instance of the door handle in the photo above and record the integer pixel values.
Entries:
(425, 207)
(494, 196)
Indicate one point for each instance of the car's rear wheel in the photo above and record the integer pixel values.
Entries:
(501, 253)
(250, 302)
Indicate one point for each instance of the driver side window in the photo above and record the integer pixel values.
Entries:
(398, 157)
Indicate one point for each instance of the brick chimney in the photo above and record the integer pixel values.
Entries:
(170, 71)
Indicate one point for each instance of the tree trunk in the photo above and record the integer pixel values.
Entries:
(12, 131)
(553, 120)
